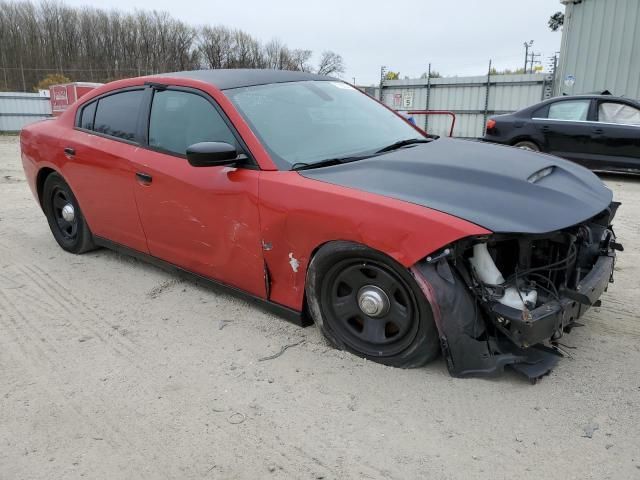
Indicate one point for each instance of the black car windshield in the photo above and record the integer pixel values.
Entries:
(311, 121)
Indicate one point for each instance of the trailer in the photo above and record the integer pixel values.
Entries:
(63, 95)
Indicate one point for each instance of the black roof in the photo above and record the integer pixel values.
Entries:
(245, 77)
(596, 96)
(587, 96)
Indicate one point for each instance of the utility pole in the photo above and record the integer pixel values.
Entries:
(24, 84)
(527, 46)
(533, 59)
(4, 71)
(486, 97)
(426, 117)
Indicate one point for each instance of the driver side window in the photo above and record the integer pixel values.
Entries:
(180, 119)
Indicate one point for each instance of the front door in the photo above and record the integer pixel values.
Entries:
(203, 219)
(565, 128)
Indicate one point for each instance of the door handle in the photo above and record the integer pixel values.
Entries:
(598, 131)
(546, 128)
(144, 178)
(69, 152)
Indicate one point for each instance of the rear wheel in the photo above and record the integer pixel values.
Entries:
(527, 145)
(65, 218)
(366, 303)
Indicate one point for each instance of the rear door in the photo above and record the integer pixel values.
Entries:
(100, 150)
(565, 128)
(616, 135)
(203, 219)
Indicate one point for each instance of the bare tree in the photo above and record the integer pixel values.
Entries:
(92, 44)
(300, 60)
(330, 63)
(215, 46)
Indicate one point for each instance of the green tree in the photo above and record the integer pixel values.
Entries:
(392, 76)
(507, 71)
(556, 21)
(434, 74)
(51, 79)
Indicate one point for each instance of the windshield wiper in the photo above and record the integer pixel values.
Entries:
(327, 162)
(403, 143)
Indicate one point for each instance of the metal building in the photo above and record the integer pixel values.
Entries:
(600, 48)
(18, 109)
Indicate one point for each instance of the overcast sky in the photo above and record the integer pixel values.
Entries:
(458, 37)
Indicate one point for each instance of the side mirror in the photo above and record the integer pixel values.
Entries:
(211, 154)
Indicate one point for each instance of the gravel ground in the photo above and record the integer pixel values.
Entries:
(111, 368)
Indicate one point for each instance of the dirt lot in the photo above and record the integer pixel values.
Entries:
(111, 368)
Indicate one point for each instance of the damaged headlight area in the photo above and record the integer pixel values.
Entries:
(505, 299)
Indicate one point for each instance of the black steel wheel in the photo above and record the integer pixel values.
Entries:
(64, 213)
(366, 303)
(65, 218)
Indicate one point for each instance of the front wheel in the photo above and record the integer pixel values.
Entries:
(65, 218)
(366, 303)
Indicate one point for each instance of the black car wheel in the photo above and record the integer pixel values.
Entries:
(366, 303)
(65, 218)
(527, 145)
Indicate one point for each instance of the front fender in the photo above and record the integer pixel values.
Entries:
(298, 215)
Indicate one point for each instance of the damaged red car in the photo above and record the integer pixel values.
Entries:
(304, 193)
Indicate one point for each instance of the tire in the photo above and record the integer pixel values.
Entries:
(69, 229)
(527, 145)
(401, 332)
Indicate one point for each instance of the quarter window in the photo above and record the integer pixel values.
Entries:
(88, 112)
(611, 112)
(117, 115)
(180, 119)
(541, 112)
(569, 110)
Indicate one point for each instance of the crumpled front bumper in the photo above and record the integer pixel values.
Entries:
(472, 349)
(534, 326)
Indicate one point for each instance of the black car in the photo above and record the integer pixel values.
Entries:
(601, 132)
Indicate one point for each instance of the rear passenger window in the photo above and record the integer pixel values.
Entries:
(117, 114)
(180, 119)
(569, 110)
(88, 112)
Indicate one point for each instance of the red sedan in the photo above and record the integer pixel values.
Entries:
(302, 192)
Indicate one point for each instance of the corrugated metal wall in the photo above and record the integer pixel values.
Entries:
(18, 109)
(601, 47)
(467, 97)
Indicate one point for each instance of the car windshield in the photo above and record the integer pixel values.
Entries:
(302, 123)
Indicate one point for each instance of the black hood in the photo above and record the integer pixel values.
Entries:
(489, 185)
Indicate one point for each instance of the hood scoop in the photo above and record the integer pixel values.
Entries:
(540, 174)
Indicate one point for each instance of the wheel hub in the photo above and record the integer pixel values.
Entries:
(373, 301)
(68, 213)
